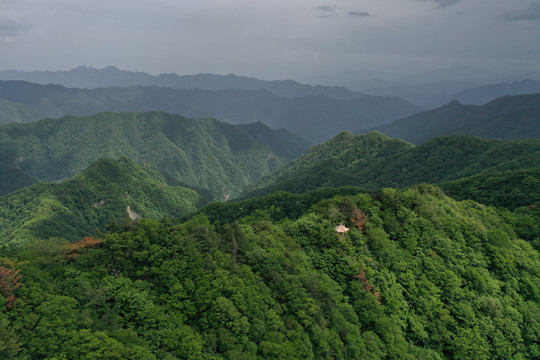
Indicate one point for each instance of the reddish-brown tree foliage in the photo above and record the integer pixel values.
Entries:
(359, 217)
(74, 250)
(9, 282)
(367, 286)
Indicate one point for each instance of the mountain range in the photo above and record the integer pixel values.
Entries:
(316, 118)
(508, 117)
(149, 235)
(434, 88)
(213, 157)
(91, 78)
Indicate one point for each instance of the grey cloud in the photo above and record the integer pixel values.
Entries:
(11, 26)
(532, 12)
(441, 4)
(358, 14)
(328, 11)
(326, 8)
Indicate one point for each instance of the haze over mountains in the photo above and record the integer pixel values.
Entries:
(315, 112)
(431, 89)
(432, 95)
(91, 78)
(428, 89)
(508, 117)
(316, 118)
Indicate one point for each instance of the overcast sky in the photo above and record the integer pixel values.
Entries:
(272, 39)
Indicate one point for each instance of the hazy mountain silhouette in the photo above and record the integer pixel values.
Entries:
(317, 118)
(508, 117)
(90, 78)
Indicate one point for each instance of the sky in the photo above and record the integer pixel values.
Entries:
(271, 39)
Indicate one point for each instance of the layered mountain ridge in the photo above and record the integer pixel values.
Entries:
(508, 117)
(91, 78)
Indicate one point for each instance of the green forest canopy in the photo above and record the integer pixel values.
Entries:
(424, 277)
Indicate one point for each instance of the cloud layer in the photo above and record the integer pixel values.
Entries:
(11, 26)
(358, 14)
(269, 39)
(445, 3)
(532, 12)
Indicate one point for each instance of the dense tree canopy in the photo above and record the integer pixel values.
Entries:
(424, 277)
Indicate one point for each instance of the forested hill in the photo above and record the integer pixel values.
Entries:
(314, 117)
(86, 204)
(509, 189)
(206, 154)
(417, 276)
(508, 117)
(374, 160)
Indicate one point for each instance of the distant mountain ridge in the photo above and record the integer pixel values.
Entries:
(91, 78)
(508, 117)
(435, 94)
(317, 118)
(214, 158)
(483, 94)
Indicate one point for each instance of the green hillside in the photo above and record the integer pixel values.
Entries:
(89, 202)
(11, 112)
(374, 160)
(509, 189)
(205, 154)
(508, 117)
(424, 277)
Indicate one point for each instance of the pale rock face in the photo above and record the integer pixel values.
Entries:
(132, 214)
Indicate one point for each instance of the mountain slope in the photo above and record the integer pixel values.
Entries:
(91, 78)
(329, 164)
(425, 277)
(11, 112)
(87, 203)
(13, 178)
(508, 117)
(204, 154)
(510, 189)
(314, 117)
(375, 161)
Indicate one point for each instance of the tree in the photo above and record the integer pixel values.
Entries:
(9, 282)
